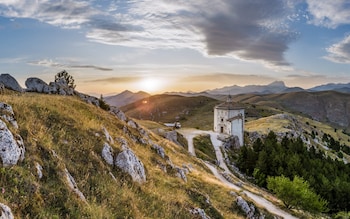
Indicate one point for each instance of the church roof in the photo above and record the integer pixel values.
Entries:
(229, 106)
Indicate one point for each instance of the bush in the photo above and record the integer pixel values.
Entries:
(296, 193)
(63, 75)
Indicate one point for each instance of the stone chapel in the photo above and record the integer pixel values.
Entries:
(229, 119)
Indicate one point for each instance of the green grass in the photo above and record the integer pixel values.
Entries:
(71, 129)
(204, 148)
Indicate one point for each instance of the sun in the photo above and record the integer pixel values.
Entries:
(150, 85)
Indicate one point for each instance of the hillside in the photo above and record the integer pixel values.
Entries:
(125, 98)
(67, 171)
(328, 106)
(190, 111)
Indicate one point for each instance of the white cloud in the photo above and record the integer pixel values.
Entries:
(249, 30)
(63, 13)
(330, 14)
(51, 63)
(340, 52)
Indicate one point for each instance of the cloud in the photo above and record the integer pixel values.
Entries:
(63, 13)
(225, 78)
(240, 29)
(51, 63)
(114, 80)
(340, 52)
(248, 30)
(330, 14)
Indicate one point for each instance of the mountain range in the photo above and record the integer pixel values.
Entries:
(277, 87)
(125, 98)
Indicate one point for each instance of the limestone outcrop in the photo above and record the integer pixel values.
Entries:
(130, 163)
(108, 154)
(73, 185)
(37, 85)
(118, 113)
(5, 212)
(7, 114)
(200, 213)
(59, 87)
(10, 82)
(11, 149)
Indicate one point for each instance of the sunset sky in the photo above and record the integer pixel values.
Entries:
(176, 45)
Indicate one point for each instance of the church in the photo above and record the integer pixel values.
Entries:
(229, 119)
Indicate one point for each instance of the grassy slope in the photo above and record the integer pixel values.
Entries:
(278, 125)
(73, 130)
(190, 111)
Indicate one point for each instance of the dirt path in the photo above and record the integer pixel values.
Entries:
(189, 134)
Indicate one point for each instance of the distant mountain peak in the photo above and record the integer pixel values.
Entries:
(125, 98)
(277, 84)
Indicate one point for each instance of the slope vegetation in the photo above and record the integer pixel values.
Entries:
(327, 106)
(190, 111)
(64, 174)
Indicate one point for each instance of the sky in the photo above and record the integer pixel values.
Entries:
(176, 45)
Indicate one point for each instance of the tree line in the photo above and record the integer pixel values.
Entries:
(274, 164)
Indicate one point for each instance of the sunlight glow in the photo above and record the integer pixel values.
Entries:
(150, 85)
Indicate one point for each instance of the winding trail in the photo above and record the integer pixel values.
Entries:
(189, 134)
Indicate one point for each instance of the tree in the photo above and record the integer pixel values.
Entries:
(296, 193)
(63, 75)
(103, 104)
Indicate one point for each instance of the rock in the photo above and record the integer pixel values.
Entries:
(231, 142)
(129, 163)
(181, 173)
(61, 87)
(7, 114)
(10, 151)
(113, 177)
(118, 113)
(37, 85)
(132, 124)
(108, 136)
(159, 150)
(5, 212)
(200, 212)
(172, 136)
(88, 99)
(20, 144)
(123, 143)
(39, 170)
(2, 88)
(108, 154)
(10, 82)
(73, 185)
(248, 210)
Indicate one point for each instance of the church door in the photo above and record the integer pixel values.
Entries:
(222, 129)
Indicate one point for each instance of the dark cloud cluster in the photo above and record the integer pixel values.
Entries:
(250, 30)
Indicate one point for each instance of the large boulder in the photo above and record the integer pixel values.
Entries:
(10, 82)
(130, 163)
(5, 212)
(36, 85)
(11, 149)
